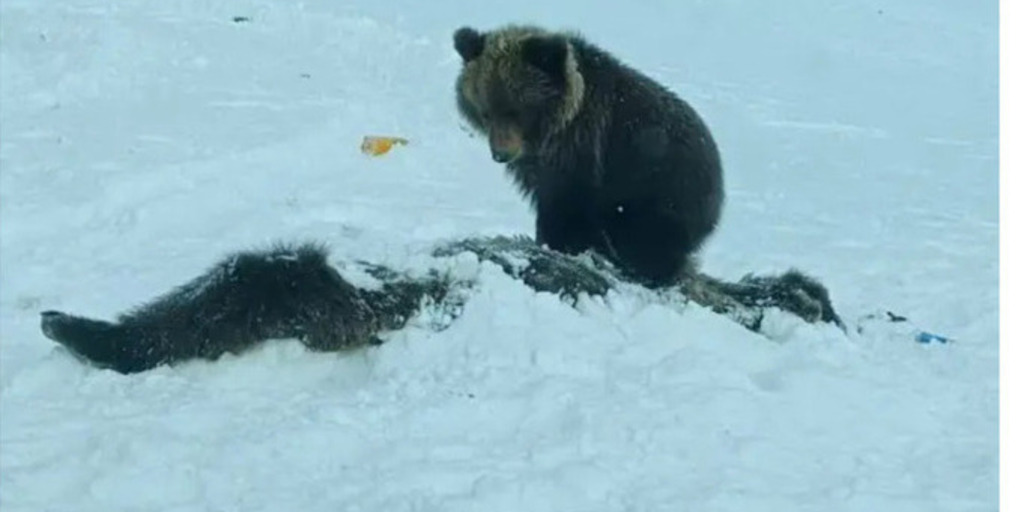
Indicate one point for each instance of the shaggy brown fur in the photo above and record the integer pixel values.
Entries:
(611, 160)
(293, 292)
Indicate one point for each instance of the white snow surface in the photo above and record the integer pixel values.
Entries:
(141, 141)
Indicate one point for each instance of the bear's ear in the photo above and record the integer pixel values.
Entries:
(547, 53)
(469, 43)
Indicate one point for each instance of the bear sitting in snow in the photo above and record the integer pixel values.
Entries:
(611, 160)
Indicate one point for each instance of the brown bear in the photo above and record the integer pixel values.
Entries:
(611, 160)
(292, 291)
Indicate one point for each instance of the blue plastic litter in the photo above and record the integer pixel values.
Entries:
(927, 337)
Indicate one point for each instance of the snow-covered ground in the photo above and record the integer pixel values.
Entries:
(140, 141)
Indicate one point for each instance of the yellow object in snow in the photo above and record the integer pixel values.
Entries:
(376, 146)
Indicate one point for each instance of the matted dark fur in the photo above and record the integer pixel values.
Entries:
(285, 292)
(293, 292)
(610, 159)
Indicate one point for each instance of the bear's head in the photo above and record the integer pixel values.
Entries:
(518, 85)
